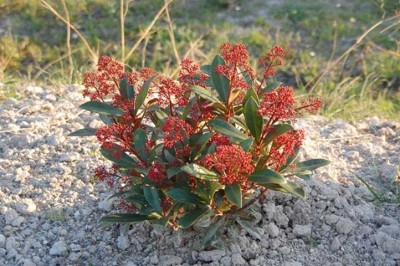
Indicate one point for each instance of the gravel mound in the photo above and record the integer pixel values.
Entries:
(50, 210)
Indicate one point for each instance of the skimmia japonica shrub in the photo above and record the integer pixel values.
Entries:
(209, 143)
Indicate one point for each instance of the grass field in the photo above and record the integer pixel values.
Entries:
(345, 52)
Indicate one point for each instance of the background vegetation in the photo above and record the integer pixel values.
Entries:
(345, 52)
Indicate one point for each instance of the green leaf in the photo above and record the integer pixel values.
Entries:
(221, 83)
(127, 218)
(152, 197)
(271, 86)
(101, 108)
(205, 94)
(143, 93)
(191, 217)
(290, 160)
(311, 164)
(246, 144)
(212, 232)
(126, 89)
(173, 171)
(233, 193)
(139, 141)
(138, 199)
(267, 176)
(84, 132)
(254, 120)
(108, 120)
(200, 172)
(227, 129)
(206, 69)
(250, 228)
(124, 161)
(289, 187)
(277, 131)
(185, 196)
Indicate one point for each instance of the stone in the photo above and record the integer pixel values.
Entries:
(59, 248)
(170, 260)
(281, 219)
(10, 215)
(154, 260)
(272, 230)
(331, 219)
(335, 245)
(226, 261)
(237, 259)
(25, 206)
(212, 255)
(11, 243)
(2, 241)
(123, 242)
(18, 221)
(344, 226)
(302, 230)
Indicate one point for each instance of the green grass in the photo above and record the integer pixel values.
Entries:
(313, 33)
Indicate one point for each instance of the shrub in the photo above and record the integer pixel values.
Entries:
(210, 143)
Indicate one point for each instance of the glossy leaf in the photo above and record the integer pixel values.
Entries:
(108, 120)
(191, 217)
(277, 131)
(220, 83)
(143, 93)
(311, 164)
(200, 172)
(213, 232)
(205, 94)
(139, 141)
(101, 108)
(267, 176)
(127, 218)
(246, 144)
(233, 193)
(126, 89)
(289, 187)
(173, 171)
(84, 132)
(185, 196)
(206, 69)
(250, 228)
(124, 161)
(227, 129)
(152, 197)
(254, 120)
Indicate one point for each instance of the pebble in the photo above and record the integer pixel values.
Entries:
(10, 216)
(237, 259)
(59, 248)
(272, 230)
(212, 255)
(335, 245)
(331, 219)
(344, 226)
(2, 241)
(123, 242)
(302, 230)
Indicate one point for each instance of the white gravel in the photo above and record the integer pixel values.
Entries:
(50, 210)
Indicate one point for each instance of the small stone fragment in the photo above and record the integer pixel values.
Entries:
(331, 219)
(212, 255)
(344, 226)
(123, 242)
(302, 230)
(26, 206)
(335, 244)
(59, 248)
(272, 230)
(237, 259)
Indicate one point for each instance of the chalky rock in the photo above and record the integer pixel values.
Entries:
(272, 230)
(212, 255)
(344, 226)
(302, 230)
(26, 206)
(59, 248)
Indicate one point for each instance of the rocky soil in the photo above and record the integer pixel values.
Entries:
(50, 210)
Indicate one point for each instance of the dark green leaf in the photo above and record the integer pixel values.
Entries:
(233, 193)
(220, 83)
(289, 187)
(246, 144)
(143, 93)
(108, 120)
(311, 164)
(101, 108)
(277, 131)
(185, 196)
(250, 228)
(138, 199)
(267, 176)
(290, 160)
(173, 171)
(206, 69)
(254, 120)
(205, 94)
(200, 172)
(139, 141)
(84, 132)
(126, 89)
(127, 218)
(227, 129)
(191, 217)
(152, 197)
(124, 161)
(212, 232)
